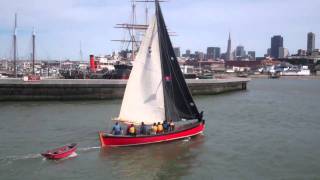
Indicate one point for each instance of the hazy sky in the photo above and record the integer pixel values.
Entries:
(62, 24)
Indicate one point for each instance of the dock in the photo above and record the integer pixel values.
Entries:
(100, 89)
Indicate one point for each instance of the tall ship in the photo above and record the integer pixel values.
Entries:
(156, 92)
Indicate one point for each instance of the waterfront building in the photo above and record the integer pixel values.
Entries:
(311, 42)
(3, 64)
(301, 52)
(199, 55)
(283, 52)
(315, 53)
(240, 52)
(229, 56)
(233, 66)
(177, 51)
(276, 43)
(252, 55)
(213, 52)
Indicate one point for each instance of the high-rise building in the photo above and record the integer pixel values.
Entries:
(177, 51)
(229, 53)
(252, 55)
(283, 52)
(188, 52)
(213, 52)
(311, 42)
(240, 52)
(276, 43)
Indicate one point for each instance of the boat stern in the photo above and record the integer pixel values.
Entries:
(101, 139)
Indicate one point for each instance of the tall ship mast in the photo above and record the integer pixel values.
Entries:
(134, 29)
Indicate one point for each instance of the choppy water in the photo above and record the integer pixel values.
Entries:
(271, 131)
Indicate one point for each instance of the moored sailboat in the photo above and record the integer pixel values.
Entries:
(156, 91)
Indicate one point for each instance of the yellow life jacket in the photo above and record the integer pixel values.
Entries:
(154, 128)
(160, 128)
(132, 130)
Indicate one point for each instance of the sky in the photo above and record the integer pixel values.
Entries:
(62, 24)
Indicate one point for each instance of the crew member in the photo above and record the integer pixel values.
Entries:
(160, 128)
(154, 129)
(171, 126)
(131, 130)
(116, 130)
(143, 129)
(165, 126)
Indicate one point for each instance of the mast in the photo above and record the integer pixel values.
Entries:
(133, 41)
(33, 50)
(132, 30)
(178, 101)
(15, 45)
(147, 13)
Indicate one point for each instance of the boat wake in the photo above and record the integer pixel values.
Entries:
(186, 139)
(74, 154)
(10, 159)
(85, 149)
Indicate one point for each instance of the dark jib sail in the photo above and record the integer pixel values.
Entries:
(178, 101)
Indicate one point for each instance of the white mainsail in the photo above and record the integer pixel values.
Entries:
(143, 99)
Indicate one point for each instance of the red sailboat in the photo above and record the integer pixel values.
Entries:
(60, 153)
(156, 91)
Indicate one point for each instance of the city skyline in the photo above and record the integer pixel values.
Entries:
(92, 23)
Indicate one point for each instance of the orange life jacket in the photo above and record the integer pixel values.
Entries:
(160, 128)
(154, 128)
(132, 130)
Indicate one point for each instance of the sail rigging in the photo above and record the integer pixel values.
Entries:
(156, 89)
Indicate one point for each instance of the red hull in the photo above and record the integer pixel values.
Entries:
(61, 152)
(113, 141)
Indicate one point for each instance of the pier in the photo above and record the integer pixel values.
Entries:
(99, 89)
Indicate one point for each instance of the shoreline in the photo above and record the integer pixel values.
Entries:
(286, 77)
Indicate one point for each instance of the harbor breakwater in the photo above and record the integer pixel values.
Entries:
(99, 89)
